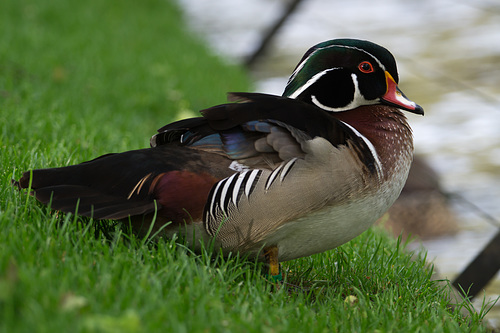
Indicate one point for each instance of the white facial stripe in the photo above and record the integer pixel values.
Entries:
(299, 66)
(373, 151)
(371, 55)
(309, 83)
(358, 99)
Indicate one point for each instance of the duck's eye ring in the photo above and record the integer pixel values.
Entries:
(365, 67)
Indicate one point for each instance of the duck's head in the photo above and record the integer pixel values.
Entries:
(343, 74)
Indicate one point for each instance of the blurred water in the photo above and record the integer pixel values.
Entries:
(448, 56)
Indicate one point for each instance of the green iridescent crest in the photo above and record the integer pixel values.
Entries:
(323, 56)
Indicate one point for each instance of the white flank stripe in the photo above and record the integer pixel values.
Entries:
(371, 147)
(286, 168)
(214, 194)
(224, 190)
(272, 176)
(250, 181)
(237, 186)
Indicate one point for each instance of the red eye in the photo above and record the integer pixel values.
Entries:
(365, 67)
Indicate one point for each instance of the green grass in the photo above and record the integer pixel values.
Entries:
(80, 79)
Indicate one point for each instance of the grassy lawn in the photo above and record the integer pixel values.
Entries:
(80, 79)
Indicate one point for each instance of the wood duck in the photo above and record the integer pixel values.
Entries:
(274, 177)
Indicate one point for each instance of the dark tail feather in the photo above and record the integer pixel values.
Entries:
(169, 178)
(69, 198)
(104, 188)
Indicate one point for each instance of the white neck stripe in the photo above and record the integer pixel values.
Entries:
(373, 151)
